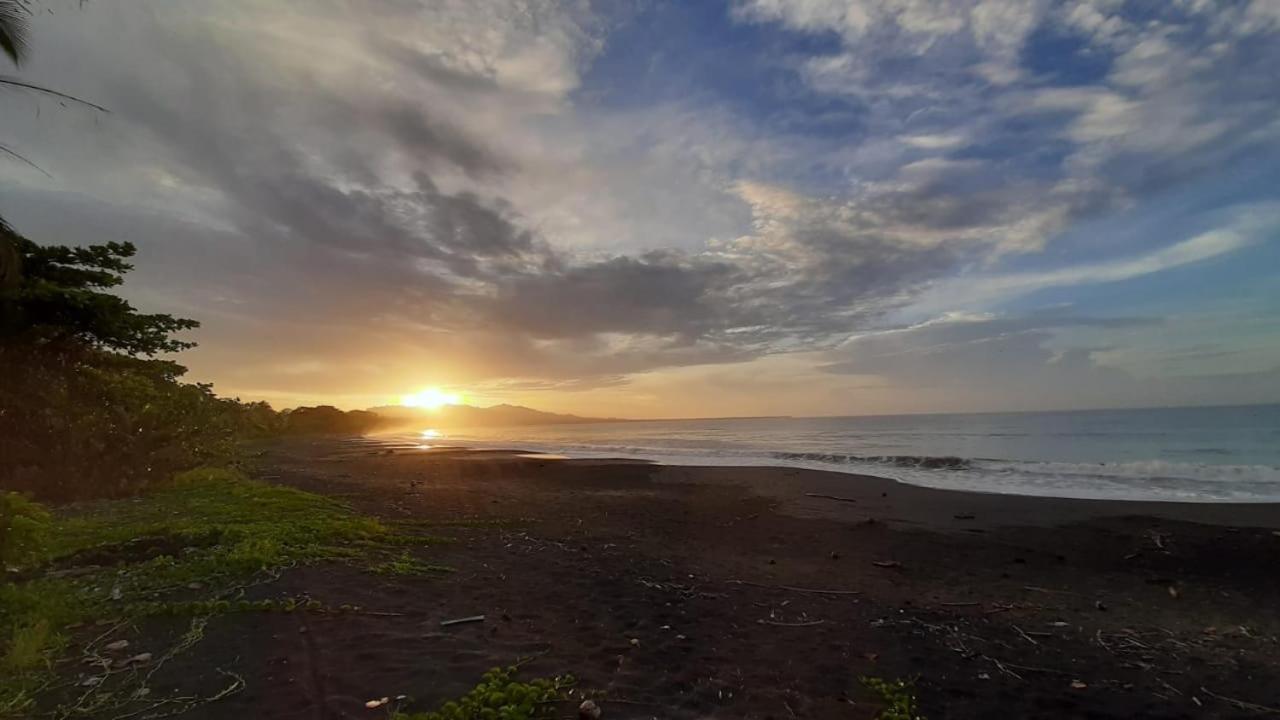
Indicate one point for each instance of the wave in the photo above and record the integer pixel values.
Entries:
(924, 462)
(1151, 480)
(1147, 470)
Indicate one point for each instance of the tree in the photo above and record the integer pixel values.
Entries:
(60, 302)
(85, 407)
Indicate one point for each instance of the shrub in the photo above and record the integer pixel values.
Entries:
(85, 409)
(500, 696)
(24, 530)
(898, 696)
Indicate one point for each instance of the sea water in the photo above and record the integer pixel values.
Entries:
(1205, 454)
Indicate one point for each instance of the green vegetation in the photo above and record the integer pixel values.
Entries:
(87, 409)
(91, 407)
(212, 533)
(406, 564)
(500, 696)
(24, 530)
(898, 696)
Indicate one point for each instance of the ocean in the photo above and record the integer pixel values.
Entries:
(1206, 454)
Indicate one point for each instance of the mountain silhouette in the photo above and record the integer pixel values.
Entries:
(471, 416)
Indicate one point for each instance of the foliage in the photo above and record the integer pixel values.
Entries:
(210, 529)
(14, 24)
(500, 696)
(24, 530)
(329, 419)
(80, 414)
(76, 425)
(61, 301)
(405, 564)
(30, 646)
(898, 696)
(13, 29)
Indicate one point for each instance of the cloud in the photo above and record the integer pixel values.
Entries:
(1243, 227)
(994, 362)
(411, 188)
(934, 142)
(987, 361)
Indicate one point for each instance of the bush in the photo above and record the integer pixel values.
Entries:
(500, 696)
(24, 530)
(898, 697)
(92, 423)
(85, 409)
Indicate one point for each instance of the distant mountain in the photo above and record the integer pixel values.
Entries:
(471, 416)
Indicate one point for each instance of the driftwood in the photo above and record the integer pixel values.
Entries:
(814, 591)
(810, 623)
(1025, 636)
(1241, 704)
(831, 497)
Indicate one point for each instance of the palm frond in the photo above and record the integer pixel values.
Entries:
(15, 82)
(13, 29)
(14, 154)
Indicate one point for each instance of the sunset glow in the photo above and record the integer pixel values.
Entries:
(430, 399)
(804, 207)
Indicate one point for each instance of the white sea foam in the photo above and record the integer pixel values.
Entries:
(1188, 454)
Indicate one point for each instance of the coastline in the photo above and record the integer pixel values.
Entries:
(1225, 455)
(903, 503)
(747, 597)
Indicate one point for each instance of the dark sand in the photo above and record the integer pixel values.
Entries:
(1000, 606)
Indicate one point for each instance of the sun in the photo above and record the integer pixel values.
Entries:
(430, 399)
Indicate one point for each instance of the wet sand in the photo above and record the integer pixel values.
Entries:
(765, 593)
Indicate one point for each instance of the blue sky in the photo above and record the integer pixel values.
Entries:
(657, 208)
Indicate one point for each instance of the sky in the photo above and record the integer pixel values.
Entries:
(649, 208)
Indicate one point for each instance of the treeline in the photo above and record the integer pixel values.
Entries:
(86, 408)
(328, 419)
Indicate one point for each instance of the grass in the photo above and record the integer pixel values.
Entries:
(405, 564)
(469, 523)
(501, 696)
(898, 697)
(30, 647)
(213, 531)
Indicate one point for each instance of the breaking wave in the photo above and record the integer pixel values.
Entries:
(1179, 454)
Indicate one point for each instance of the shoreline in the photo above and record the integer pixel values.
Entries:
(920, 502)
(1160, 472)
(689, 593)
(750, 592)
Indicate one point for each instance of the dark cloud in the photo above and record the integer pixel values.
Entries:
(358, 202)
(308, 184)
(658, 293)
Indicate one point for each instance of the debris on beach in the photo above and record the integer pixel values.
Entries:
(139, 659)
(589, 710)
(831, 497)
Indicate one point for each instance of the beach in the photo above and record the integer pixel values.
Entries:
(739, 592)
